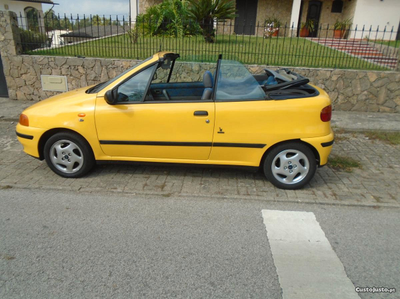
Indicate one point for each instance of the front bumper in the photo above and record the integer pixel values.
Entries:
(29, 138)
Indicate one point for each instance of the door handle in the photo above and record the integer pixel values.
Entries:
(200, 113)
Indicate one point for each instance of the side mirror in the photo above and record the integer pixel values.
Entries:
(111, 96)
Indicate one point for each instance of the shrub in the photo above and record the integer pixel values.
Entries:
(33, 40)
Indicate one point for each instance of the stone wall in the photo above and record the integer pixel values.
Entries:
(355, 90)
(10, 41)
(145, 4)
(350, 90)
(280, 10)
(24, 73)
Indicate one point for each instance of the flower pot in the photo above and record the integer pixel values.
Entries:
(276, 32)
(304, 32)
(338, 33)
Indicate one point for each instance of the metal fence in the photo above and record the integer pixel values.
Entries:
(355, 47)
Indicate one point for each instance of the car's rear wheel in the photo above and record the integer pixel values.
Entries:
(290, 165)
(68, 155)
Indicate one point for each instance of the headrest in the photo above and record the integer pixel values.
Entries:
(208, 79)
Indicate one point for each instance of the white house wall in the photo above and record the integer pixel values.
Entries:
(376, 13)
(134, 6)
(19, 9)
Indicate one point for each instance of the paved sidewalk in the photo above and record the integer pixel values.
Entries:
(376, 183)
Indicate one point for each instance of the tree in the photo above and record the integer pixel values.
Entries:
(51, 20)
(65, 23)
(205, 11)
(97, 20)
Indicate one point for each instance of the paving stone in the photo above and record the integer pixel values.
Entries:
(376, 183)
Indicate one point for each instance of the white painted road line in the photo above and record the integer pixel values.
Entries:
(306, 264)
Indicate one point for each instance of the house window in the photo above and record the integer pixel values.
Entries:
(337, 6)
(32, 18)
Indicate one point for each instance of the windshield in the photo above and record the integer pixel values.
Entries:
(235, 82)
(100, 86)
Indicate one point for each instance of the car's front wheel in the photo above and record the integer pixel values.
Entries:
(68, 155)
(290, 165)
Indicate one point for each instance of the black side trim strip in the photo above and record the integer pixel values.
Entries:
(168, 143)
(250, 145)
(161, 143)
(24, 136)
(326, 144)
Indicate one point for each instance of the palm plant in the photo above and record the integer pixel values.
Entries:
(168, 18)
(342, 24)
(205, 11)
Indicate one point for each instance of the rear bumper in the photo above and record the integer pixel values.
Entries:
(323, 145)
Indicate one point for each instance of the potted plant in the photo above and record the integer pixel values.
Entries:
(340, 28)
(306, 28)
(271, 26)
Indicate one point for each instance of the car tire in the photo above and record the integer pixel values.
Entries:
(68, 155)
(290, 165)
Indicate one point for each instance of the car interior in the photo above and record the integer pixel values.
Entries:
(272, 85)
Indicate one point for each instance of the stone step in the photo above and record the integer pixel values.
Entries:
(366, 54)
(351, 45)
(383, 59)
(359, 48)
(355, 49)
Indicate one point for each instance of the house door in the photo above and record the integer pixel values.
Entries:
(245, 22)
(314, 13)
(3, 83)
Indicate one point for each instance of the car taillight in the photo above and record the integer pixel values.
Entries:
(23, 120)
(326, 113)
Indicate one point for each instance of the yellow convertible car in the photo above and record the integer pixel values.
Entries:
(162, 110)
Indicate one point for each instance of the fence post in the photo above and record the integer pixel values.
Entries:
(10, 48)
(10, 42)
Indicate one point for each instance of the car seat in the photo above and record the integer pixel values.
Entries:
(208, 82)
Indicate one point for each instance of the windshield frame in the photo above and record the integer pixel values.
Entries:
(99, 87)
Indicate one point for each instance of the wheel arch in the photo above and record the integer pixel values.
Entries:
(312, 148)
(51, 132)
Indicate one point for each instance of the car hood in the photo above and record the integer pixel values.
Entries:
(59, 106)
(61, 98)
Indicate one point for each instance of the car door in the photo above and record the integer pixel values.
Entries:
(244, 120)
(139, 127)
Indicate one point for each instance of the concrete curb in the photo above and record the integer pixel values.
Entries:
(222, 197)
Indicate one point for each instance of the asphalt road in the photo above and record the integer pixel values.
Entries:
(56, 244)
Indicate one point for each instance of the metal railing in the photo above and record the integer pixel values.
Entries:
(113, 37)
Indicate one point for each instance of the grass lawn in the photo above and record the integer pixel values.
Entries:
(247, 49)
(393, 43)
